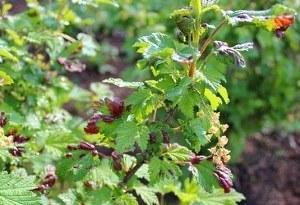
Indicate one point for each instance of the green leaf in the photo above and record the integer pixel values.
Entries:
(75, 168)
(214, 100)
(104, 175)
(189, 194)
(206, 175)
(147, 194)
(16, 190)
(5, 79)
(143, 172)
(187, 103)
(224, 94)
(162, 169)
(155, 45)
(120, 83)
(212, 76)
(69, 198)
(100, 196)
(126, 199)
(128, 134)
(143, 102)
(218, 197)
(199, 127)
(176, 93)
(177, 153)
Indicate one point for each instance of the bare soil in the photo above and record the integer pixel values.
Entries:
(269, 171)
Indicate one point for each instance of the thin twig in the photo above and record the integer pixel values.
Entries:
(132, 172)
(211, 37)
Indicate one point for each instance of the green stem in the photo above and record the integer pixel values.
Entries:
(211, 37)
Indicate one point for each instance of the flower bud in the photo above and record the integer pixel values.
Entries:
(86, 146)
(224, 177)
(196, 159)
(48, 181)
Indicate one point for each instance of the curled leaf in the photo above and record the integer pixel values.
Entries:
(282, 23)
(223, 49)
(276, 19)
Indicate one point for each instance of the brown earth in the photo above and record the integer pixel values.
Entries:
(270, 169)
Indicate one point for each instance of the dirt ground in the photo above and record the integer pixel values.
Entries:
(269, 171)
